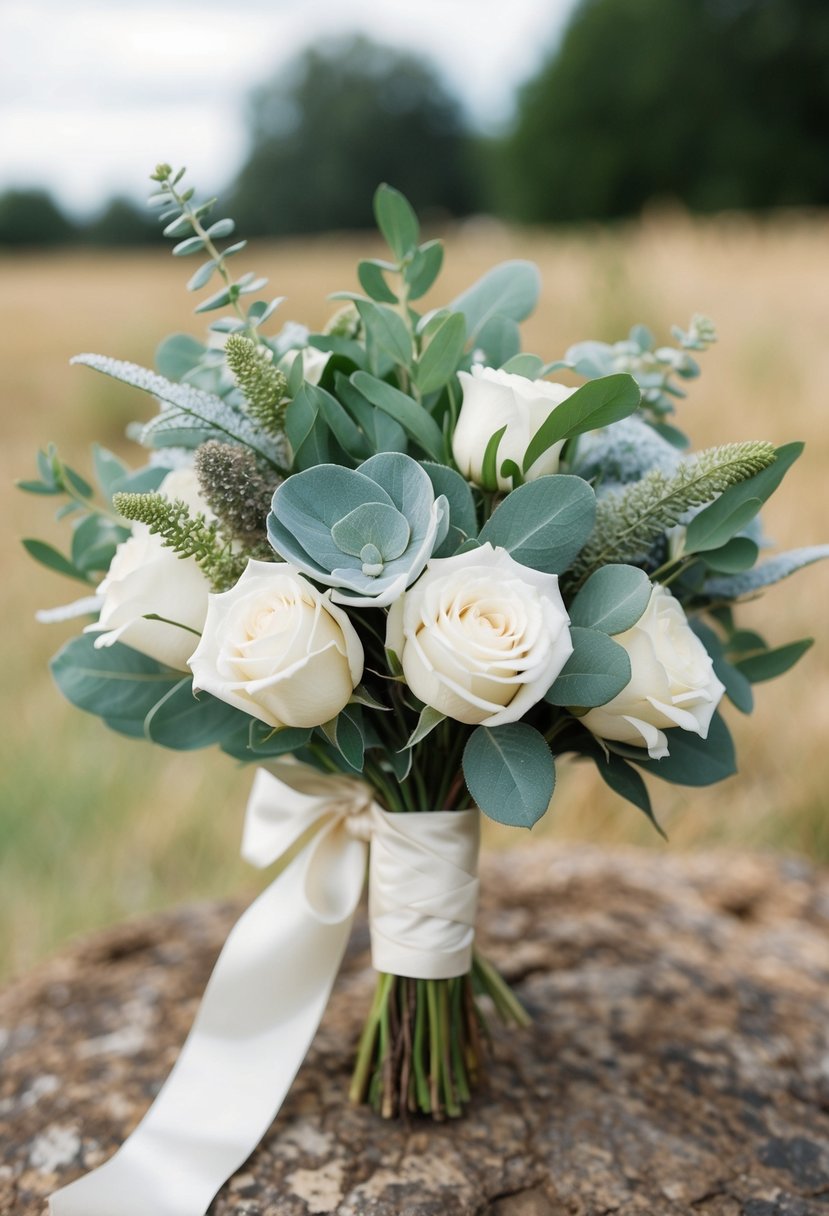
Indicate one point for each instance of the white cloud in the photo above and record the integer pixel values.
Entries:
(94, 92)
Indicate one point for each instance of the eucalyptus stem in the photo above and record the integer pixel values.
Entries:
(182, 200)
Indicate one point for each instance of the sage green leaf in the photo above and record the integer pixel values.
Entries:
(596, 404)
(489, 464)
(218, 300)
(737, 505)
(348, 435)
(345, 733)
(382, 432)
(386, 330)
(193, 244)
(202, 277)
(424, 268)
(463, 518)
(771, 663)
(373, 283)
(37, 487)
(428, 720)
(178, 355)
(301, 416)
(112, 681)
(716, 531)
(510, 289)
(253, 740)
(396, 220)
(185, 722)
(94, 541)
(739, 553)
(510, 772)
(545, 523)
(624, 780)
(221, 228)
(596, 671)
(439, 361)
(50, 557)
(528, 366)
(612, 600)
(500, 339)
(767, 573)
(414, 419)
(110, 471)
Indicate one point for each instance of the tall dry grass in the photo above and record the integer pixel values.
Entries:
(95, 828)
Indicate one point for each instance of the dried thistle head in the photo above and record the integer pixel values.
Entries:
(236, 490)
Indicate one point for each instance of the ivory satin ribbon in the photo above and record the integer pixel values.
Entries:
(271, 984)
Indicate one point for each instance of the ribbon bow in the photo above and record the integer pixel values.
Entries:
(271, 983)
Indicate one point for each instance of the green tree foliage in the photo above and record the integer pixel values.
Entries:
(32, 217)
(343, 117)
(718, 103)
(122, 223)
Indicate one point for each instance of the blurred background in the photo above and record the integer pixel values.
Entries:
(654, 157)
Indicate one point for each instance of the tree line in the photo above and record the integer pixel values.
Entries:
(715, 104)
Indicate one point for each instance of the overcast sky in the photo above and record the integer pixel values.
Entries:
(94, 92)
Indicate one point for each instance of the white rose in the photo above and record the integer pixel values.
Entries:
(313, 363)
(277, 648)
(146, 577)
(672, 681)
(481, 638)
(492, 399)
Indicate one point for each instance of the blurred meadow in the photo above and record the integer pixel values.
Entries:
(96, 828)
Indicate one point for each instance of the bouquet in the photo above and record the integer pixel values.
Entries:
(403, 571)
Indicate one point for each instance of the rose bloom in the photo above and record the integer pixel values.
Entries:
(492, 399)
(481, 638)
(277, 648)
(672, 681)
(146, 577)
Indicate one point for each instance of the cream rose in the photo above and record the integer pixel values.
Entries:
(145, 577)
(492, 399)
(277, 648)
(672, 681)
(481, 638)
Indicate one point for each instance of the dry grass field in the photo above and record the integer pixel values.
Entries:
(95, 828)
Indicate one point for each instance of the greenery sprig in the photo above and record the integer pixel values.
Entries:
(630, 520)
(188, 535)
(185, 223)
(263, 386)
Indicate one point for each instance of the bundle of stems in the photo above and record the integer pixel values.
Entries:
(422, 1047)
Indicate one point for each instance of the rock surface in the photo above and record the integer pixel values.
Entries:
(679, 1061)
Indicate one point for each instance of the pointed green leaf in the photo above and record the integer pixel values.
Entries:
(510, 772)
(771, 663)
(414, 419)
(612, 600)
(439, 361)
(424, 268)
(734, 508)
(545, 523)
(396, 220)
(510, 289)
(596, 671)
(373, 282)
(596, 404)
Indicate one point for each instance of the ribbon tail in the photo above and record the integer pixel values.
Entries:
(259, 1013)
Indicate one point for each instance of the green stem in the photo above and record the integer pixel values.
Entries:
(506, 1002)
(421, 1079)
(365, 1051)
(218, 257)
(435, 1054)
